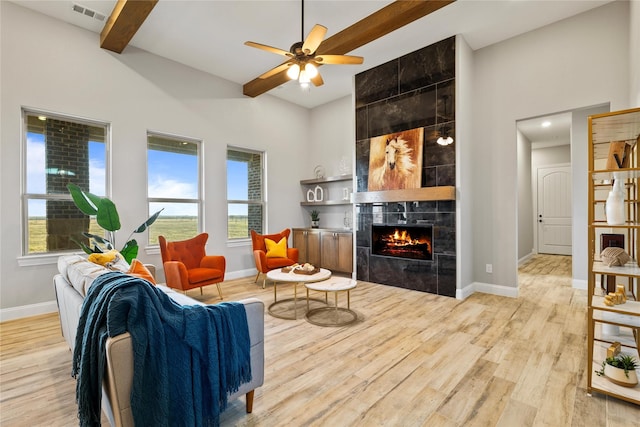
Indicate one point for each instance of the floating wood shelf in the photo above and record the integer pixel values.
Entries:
(409, 195)
(338, 178)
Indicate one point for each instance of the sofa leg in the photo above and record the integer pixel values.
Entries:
(249, 398)
(219, 290)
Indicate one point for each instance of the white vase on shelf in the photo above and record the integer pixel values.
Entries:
(614, 207)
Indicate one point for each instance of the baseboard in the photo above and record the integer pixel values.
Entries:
(13, 313)
(487, 288)
(579, 284)
(465, 292)
(525, 258)
(240, 274)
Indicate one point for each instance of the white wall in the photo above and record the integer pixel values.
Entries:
(580, 189)
(465, 165)
(331, 135)
(525, 197)
(550, 156)
(634, 53)
(49, 65)
(577, 62)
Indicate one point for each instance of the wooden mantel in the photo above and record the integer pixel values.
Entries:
(409, 195)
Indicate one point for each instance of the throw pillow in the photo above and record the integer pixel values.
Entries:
(139, 270)
(111, 260)
(276, 250)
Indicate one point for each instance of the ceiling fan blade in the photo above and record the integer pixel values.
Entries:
(380, 23)
(282, 67)
(269, 49)
(314, 39)
(339, 59)
(317, 80)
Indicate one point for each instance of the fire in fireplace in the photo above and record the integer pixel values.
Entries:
(402, 241)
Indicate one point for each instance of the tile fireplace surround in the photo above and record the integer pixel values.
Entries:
(413, 91)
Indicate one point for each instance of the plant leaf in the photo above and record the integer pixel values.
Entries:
(107, 216)
(148, 222)
(81, 200)
(84, 247)
(130, 250)
(98, 239)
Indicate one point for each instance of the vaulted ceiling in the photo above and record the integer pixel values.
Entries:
(209, 35)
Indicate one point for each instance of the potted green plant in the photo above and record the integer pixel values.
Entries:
(620, 370)
(107, 217)
(315, 219)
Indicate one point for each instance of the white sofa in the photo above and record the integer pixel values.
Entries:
(76, 274)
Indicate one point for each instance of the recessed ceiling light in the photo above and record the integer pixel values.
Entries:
(546, 124)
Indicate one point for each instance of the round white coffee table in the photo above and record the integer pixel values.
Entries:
(290, 277)
(332, 316)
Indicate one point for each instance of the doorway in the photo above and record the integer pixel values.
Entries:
(565, 145)
(554, 209)
(544, 185)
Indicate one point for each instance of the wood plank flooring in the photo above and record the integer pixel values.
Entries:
(412, 359)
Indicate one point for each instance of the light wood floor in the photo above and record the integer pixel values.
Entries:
(413, 359)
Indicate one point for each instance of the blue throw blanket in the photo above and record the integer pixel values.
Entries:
(186, 358)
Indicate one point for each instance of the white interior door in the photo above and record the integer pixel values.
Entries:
(554, 210)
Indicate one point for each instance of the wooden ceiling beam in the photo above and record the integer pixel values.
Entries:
(125, 20)
(378, 24)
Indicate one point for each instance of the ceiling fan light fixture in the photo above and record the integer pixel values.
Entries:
(293, 72)
(311, 70)
(304, 79)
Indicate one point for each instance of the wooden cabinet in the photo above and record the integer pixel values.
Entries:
(330, 249)
(337, 251)
(308, 244)
(613, 155)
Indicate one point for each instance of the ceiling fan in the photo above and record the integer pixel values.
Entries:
(391, 17)
(303, 57)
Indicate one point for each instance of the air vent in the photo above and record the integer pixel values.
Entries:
(88, 12)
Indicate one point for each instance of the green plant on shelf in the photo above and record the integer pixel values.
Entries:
(621, 361)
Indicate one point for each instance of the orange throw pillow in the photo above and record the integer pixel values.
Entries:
(139, 270)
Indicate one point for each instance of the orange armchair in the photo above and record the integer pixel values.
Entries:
(264, 264)
(186, 266)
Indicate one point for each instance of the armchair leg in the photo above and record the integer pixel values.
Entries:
(257, 275)
(219, 290)
(249, 397)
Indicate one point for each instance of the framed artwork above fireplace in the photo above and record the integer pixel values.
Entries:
(395, 160)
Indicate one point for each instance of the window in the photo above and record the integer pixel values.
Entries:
(245, 193)
(174, 184)
(60, 150)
